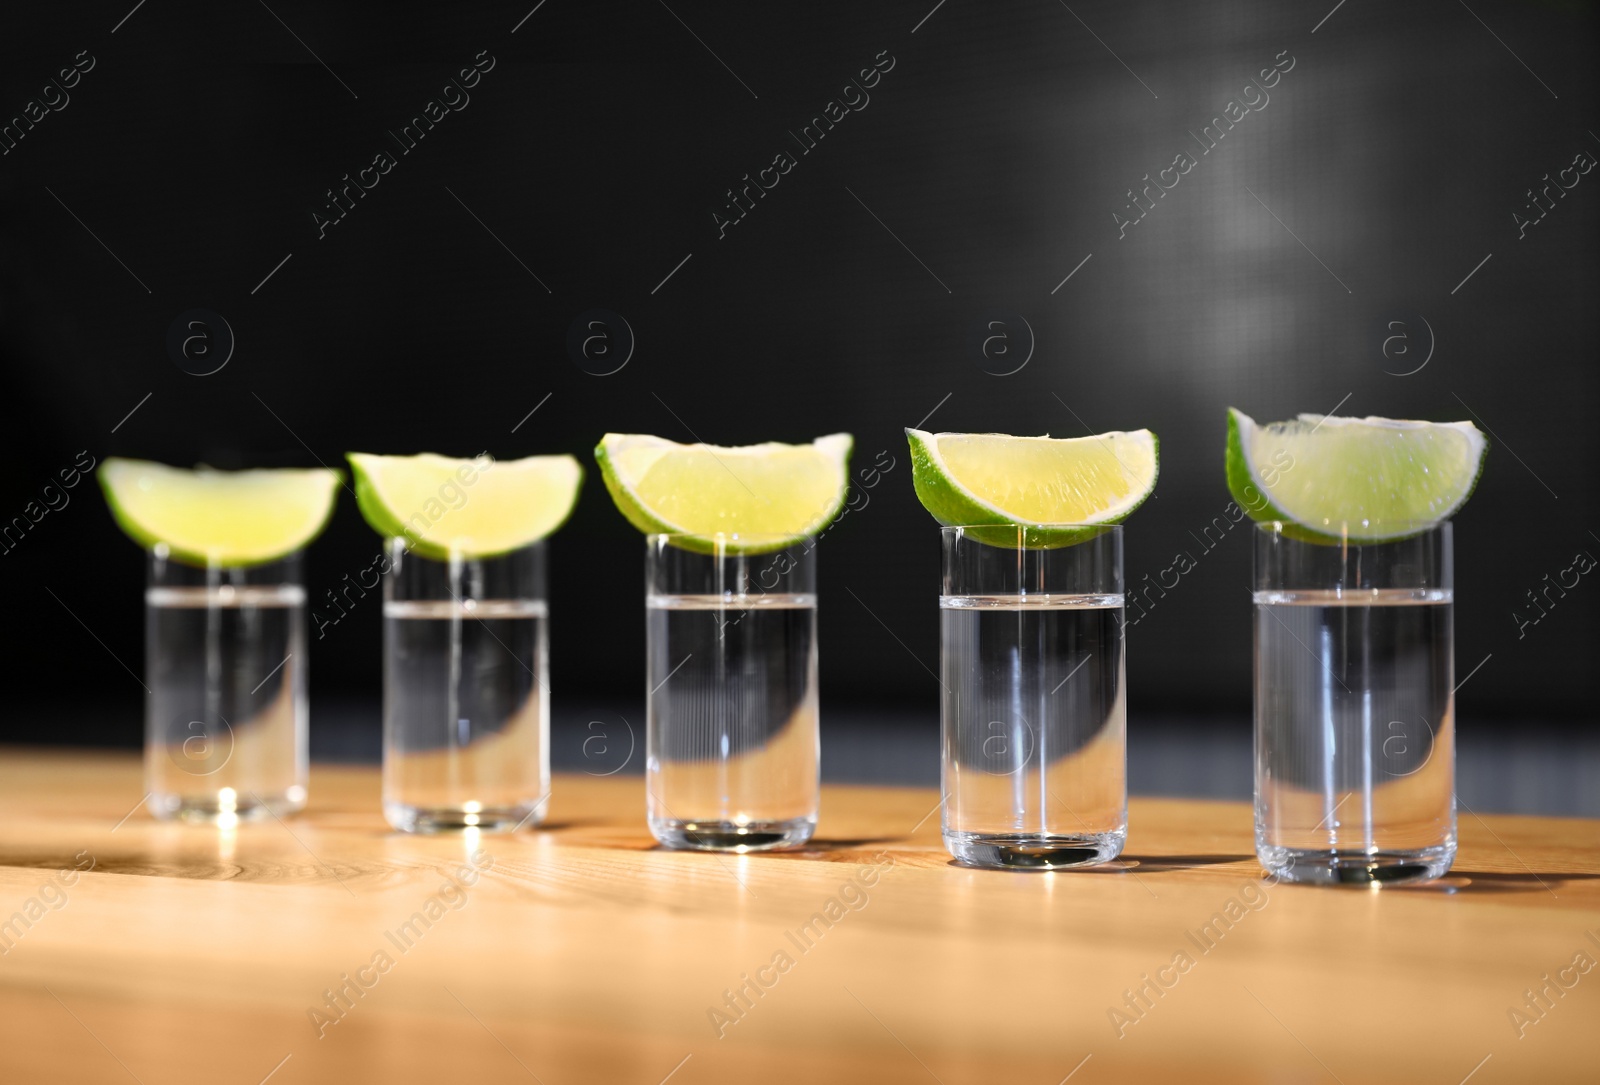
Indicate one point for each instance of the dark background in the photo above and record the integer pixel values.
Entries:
(996, 150)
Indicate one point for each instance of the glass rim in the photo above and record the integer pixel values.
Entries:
(1062, 526)
(412, 549)
(1397, 530)
(731, 536)
(163, 552)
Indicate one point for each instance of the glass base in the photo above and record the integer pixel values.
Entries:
(731, 835)
(1034, 851)
(1321, 866)
(446, 819)
(229, 810)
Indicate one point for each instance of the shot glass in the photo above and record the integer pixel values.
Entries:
(225, 716)
(1354, 707)
(733, 756)
(1033, 714)
(466, 715)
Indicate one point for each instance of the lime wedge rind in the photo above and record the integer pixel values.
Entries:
(953, 504)
(413, 497)
(625, 461)
(735, 544)
(223, 519)
(635, 512)
(1432, 470)
(1014, 536)
(1256, 502)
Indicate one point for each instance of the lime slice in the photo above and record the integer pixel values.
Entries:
(1036, 482)
(473, 508)
(225, 518)
(755, 498)
(1367, 479)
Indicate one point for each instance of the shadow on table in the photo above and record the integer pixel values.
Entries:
(807, 850)
(1123, 864)
(1467, 881)
(1157, 864)
(1456, 881)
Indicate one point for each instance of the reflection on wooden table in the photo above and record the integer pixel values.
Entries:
(328, 948)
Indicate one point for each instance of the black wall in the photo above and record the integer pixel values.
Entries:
(997, 149)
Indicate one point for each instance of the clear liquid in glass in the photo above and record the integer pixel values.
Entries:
(1355, 734)
(226, 712)
(466, 714)
(733, 752)
(1034, 729)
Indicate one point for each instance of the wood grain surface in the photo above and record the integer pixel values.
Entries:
(581, 952)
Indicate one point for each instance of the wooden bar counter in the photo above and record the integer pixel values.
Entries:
(326, 948)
